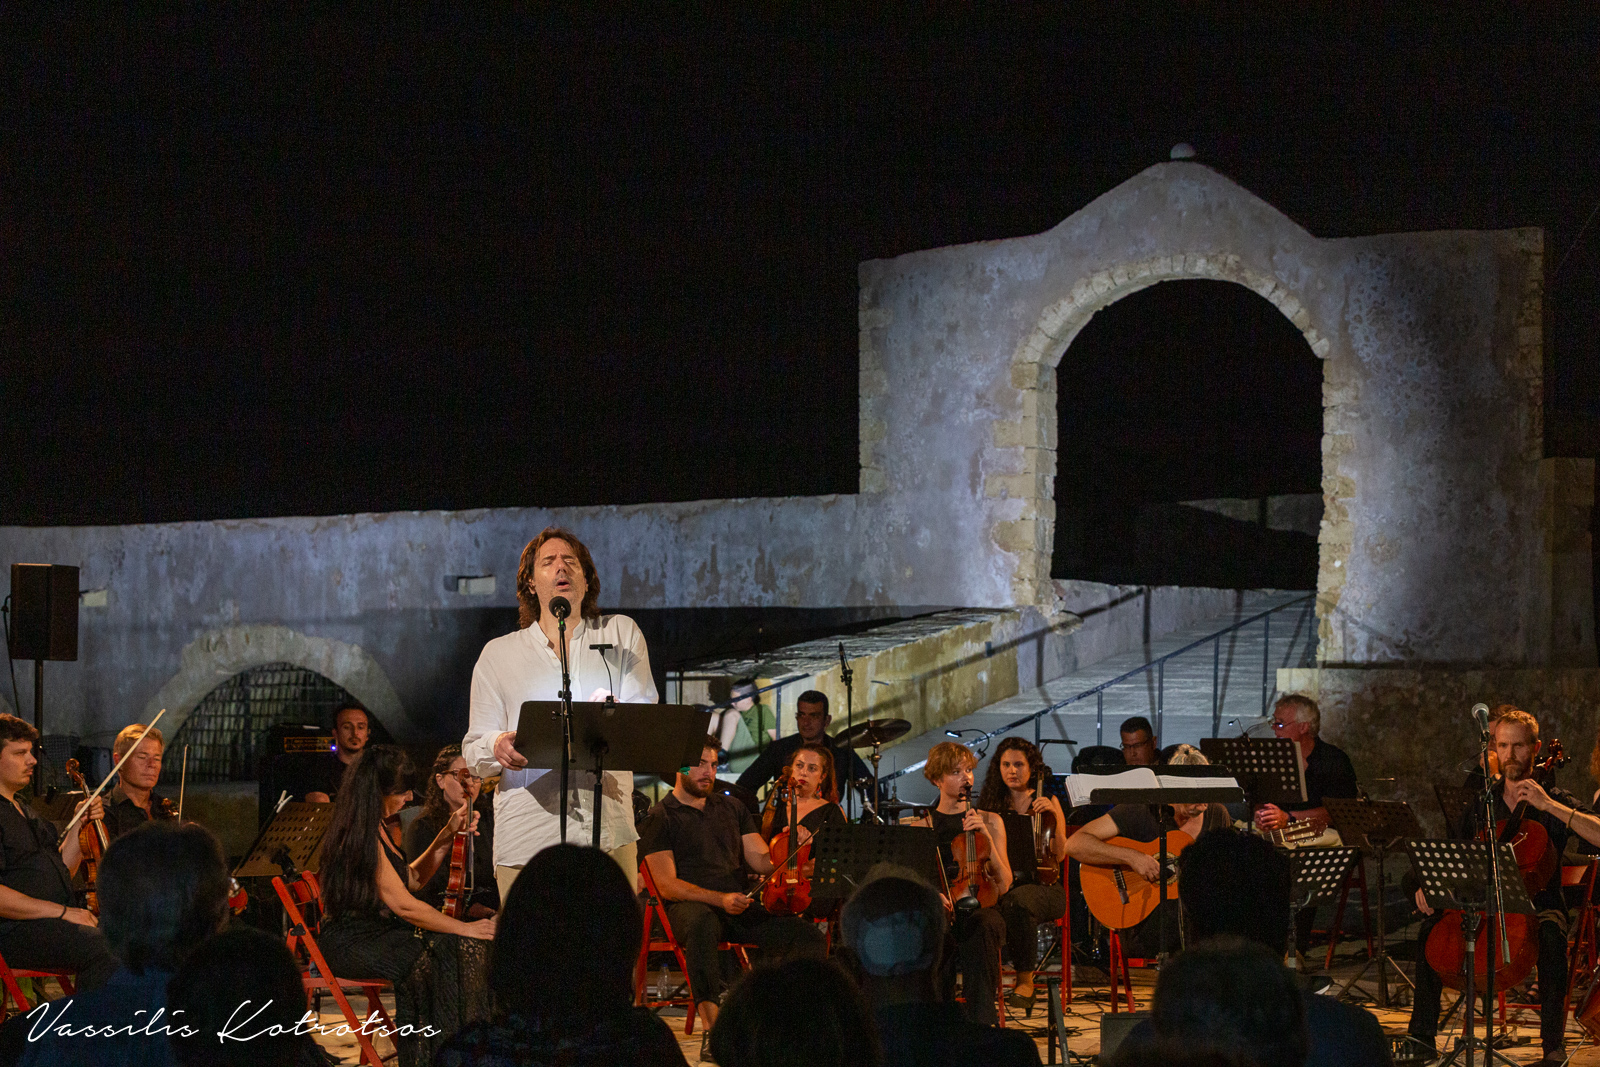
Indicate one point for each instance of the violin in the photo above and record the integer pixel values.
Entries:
(92, 841)
(972, 888)
(1537, 862)
(1046, 869)
(458, 893)
(787, 890)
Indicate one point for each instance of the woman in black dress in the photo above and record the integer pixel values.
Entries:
(1008, 791)
(815, 790)
(374, 927)
(450, 785)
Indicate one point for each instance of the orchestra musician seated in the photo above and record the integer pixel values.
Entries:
(1096, 845)
(352, 729)
(977, 927)
(1009, 789)
(450, 785)
(1515, 745)
(41, 928)
(698, 846)
(133, 800)
(371, 919)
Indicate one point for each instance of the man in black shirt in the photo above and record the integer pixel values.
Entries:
(133, 801)
(1514, 735)
(811, 723)
(352, 729)
(39, 927)
(698, 845)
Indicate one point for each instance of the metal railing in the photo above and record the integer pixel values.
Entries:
(1158, 665)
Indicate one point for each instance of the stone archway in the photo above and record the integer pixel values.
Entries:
(1033, 365)
(214, 657)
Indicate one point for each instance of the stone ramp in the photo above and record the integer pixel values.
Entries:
(1186, 700)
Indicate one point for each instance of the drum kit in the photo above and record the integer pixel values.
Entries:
(873, 734)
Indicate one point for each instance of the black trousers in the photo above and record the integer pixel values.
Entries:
(698, 927)
(1552, 986)
(977, 936)
(1023, 909)
(58, 945)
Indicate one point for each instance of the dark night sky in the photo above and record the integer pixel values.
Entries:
(254, 267)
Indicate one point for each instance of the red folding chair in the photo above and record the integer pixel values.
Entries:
(307, 891)
(1118, 965)
(1577, 885)
(11, 989)
(1355, 878)
(655, 916)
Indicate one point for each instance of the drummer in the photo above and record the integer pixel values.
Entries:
(811, 723)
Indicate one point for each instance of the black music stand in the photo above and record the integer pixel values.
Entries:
(291, 842)
(1317, 874)
(1455, 875)
(1460, 808)
(844, 855)
(1171, 794)
(648, 738)
(1269, 768)
(1377, 826)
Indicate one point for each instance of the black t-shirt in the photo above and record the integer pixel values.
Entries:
(1139, 822)
(420, 834)
(1550, 897)
(707, 845)
(1019, 847)
(123, 816)
(1329, 773)
(323, 775)
(30, 862)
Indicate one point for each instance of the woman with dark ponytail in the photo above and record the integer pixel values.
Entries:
(372, 921)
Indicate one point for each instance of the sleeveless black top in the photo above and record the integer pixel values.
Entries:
(1019, 847)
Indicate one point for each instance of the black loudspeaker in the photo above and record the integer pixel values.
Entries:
(44, 611)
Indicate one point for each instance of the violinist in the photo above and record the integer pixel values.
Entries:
(450, 786)
(978, 933)
(39, 926)
(816, 793)
(1009, 789)
(1514, 738)
(133, 801)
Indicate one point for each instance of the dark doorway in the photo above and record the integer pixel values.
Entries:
(1189, 443)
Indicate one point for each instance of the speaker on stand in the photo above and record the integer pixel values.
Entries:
(44, 622)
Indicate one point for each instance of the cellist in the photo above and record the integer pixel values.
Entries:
(977, 933)
(1514, 739)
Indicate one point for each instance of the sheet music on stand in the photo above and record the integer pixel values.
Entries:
(1376, 825)
(1460, 807)
(844, 854)
(1269, 768)
(295, 833)
(1318, 873)
(1454, 874)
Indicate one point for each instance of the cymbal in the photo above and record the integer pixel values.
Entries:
(892, 806)
(873, 732)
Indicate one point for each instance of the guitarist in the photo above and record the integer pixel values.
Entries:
(977, 933)
(1144, 823)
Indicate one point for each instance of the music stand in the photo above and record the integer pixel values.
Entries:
(648, 738)
(1171, 793)
(1377, 826)
(1317, 874)
(1269, 768)
(293, 834)
(1459, 805)
(844, 855)
(1455, 875)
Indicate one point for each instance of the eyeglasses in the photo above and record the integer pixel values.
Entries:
(464, 776)
(1150, 743)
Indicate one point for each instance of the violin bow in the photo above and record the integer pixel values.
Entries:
(101, 787)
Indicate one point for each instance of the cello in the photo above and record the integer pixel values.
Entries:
(1537, 862)
(971, 888)
(92, 841)
(1046, 869)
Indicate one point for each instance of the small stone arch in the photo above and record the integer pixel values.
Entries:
(1033, 371)
(217, 655)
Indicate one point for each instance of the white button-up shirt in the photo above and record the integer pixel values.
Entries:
(523, 666)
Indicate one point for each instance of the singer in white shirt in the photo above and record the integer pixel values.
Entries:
(526, 666)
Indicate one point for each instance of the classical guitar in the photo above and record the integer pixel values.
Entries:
(1120, 897)
(1299, 834)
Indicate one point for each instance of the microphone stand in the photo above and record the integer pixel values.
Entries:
(846, 674)
(566, 716)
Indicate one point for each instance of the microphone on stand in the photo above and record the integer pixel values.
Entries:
(560, 607)
(1480, 714)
